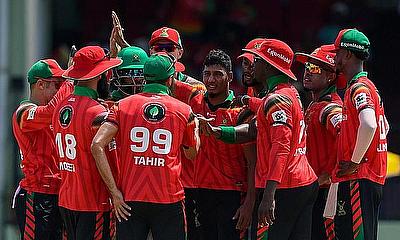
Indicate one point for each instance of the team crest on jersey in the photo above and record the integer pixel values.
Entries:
(154, 112)
(279, 116)
(360, 99)
(65, 116)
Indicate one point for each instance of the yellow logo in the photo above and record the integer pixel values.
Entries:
(257, 45)
(164, 32)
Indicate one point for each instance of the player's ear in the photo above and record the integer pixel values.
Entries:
(40, 84)
(230, 76)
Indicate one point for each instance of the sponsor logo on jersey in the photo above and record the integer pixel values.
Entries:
(154, 112)
(112, 145)
(31, 113)
(360, 99)
(336, 119)
(279, 116)
(65, 116)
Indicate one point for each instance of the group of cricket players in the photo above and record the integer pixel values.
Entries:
(124, 145)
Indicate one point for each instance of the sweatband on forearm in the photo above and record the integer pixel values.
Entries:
(228, 134)
(365, 134)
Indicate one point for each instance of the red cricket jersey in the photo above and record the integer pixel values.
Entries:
(281, 144)
(152, 129)
(362, 94)
(218, 165)
(323, 118)
(75, 122)
(33, 132)
(184, 92)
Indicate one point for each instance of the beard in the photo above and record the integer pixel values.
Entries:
(103, 87)
(250, 83)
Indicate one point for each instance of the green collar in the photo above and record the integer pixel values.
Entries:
(225, 104)
(85, 91)
(273, 81)
(156, 88)
(357, 76)
(327, 91)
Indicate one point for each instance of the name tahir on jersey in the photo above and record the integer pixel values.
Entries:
(149, 161)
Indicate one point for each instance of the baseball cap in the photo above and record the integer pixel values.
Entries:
(46, 68)
(276, 53)
(323, 55)
(353, 40)
(255, 43)
(90, 62)
(132, 57)
(166, 33)
(158, 67)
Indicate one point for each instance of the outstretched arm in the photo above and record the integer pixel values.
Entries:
(242, 133)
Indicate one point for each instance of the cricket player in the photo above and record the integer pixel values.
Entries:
(282, 168)
(169, 40)
(36, 199)
(362, 147)
(83, 197)
(128, 77)
(250, 104)
(220, 169)
(322, 118)
(152, 129)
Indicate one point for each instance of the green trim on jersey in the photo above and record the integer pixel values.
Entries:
(357, 76)
(85, 91)
(156, 88)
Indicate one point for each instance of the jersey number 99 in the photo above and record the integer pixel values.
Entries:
(140, 136)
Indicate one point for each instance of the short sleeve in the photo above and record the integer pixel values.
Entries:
(360, 96)
(331, 117)
(278, 110)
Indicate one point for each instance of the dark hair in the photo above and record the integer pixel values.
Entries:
(218, 57)
(363, 56)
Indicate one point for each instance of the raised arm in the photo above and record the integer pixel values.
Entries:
(31, 117)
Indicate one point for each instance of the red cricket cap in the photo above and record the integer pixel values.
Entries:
(166, 33)
(276, 53)
(255, 43)
(90, 62)
(324, 55)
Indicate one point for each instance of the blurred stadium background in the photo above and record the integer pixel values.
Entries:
(34, 29)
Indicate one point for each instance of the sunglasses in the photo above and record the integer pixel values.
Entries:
(164, 47)
(313, 69)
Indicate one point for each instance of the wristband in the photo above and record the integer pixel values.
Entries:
(228, 134)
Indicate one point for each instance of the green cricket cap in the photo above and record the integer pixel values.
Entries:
(132, 57)
(353, 40)
(46, 68)
(158, 67)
